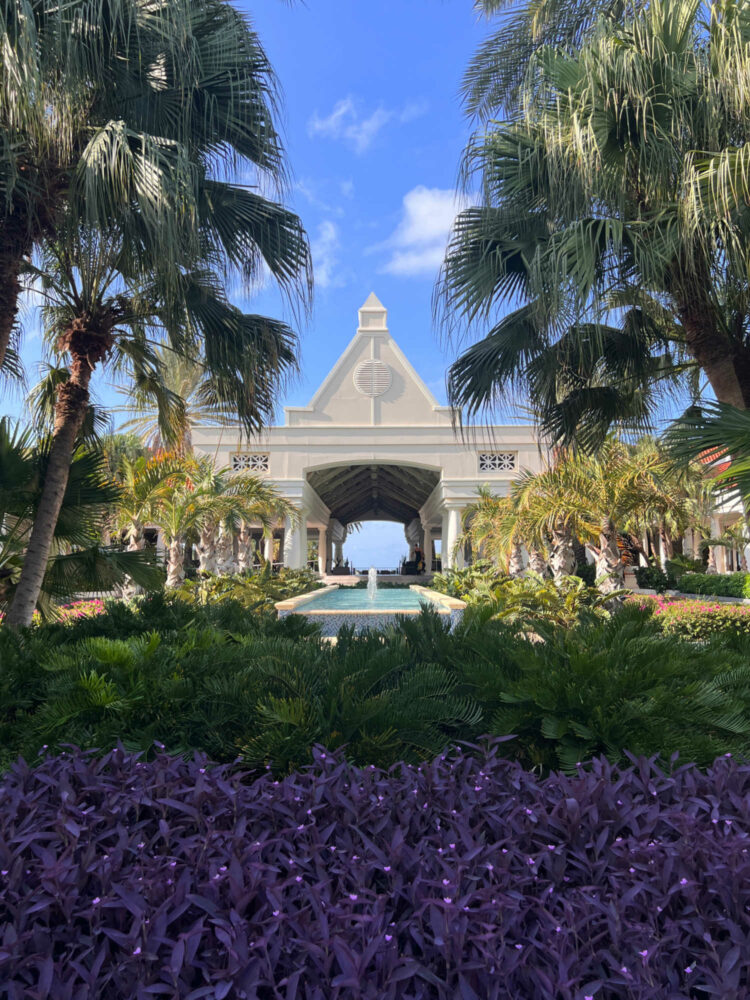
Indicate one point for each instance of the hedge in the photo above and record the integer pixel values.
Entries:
(464, 878)
(697, 620)
(716, 584)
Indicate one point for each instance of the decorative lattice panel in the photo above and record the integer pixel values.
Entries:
(497, 461)
(372, 378)
(250, 461)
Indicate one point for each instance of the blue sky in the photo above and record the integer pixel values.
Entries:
(374, 131)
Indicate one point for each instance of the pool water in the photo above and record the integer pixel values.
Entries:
(357, 599)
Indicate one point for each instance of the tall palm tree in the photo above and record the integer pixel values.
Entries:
(88, 95)
(95, 276)
(612, 223)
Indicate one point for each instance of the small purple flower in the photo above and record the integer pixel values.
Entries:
(644, 953)
(447, 899)
(519, 947)
(96, 900)
(353, 896)
(389, 937)
(137, 951)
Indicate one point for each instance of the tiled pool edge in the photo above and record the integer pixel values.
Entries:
(331, 621)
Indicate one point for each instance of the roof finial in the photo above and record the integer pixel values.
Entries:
(373, 315)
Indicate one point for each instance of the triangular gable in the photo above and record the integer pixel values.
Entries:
(371, 384)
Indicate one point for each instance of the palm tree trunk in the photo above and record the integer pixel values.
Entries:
(207, 549)
(15, 244)
(610, 573)
(225, 552)
(88, 341)
(562, 557)
(244, 548)
(537, 561)
(175, 563)
(136, 543)
(515, 564)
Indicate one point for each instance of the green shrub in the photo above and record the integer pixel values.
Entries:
(716, 584)
(474, 583)
(237, 684)
(612, 686)
(697, 620)
(654, 578)
(252, 590)
(529, 601)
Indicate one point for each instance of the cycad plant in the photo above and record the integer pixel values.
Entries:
(112, 289)
(612, 220)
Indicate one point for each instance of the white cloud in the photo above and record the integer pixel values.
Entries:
(347, 188)
(324, 249)
(348, 123)
(309, 191)
(418, 244)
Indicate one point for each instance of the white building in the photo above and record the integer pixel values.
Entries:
(374, 444)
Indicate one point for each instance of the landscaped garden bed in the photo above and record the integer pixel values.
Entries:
(466, 877)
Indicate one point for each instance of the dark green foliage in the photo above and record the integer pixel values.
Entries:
(587, 572)
(233, 683)
(654, 578)
(614, 686)
(716, 584)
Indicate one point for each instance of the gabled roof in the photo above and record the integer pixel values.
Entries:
(372, 383)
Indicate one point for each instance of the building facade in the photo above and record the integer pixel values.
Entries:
(374, 444)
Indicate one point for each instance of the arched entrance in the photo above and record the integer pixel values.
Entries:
(374, 491)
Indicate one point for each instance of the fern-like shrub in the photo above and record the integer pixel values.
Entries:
(236, 684)
(473, 583)
(716, 584)
(253, 590)
(466, 877)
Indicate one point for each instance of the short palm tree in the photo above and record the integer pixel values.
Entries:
(497, 530)
(235, 501)
(608, 255)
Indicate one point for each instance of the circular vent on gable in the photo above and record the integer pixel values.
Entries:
(372, 378)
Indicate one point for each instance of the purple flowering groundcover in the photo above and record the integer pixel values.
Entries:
(465, 878)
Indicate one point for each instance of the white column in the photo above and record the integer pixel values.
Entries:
(322, 549)
(295, 543)
(715, 554)
(268, 548)
(452, 526)
(428, 549)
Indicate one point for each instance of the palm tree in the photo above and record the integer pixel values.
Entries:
(77, 563)
(614, 208)
(87, 102)
(163, 415)
(235, 501)
(497, 528)
(101, 305)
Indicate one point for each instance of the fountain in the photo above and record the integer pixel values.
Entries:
(372, 583)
